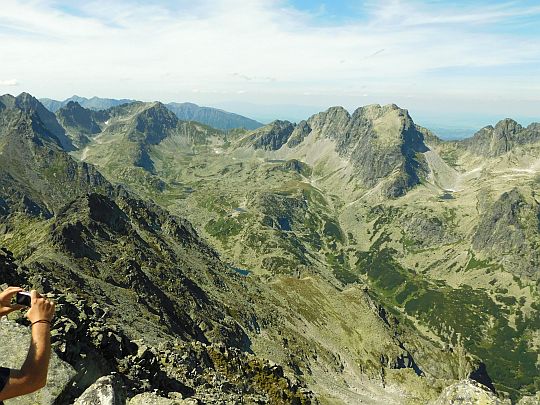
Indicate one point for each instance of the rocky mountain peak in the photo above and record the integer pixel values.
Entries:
(505, 136)
(43, 122)
(376, 140)
(7, 101)
(375, 112)
(270, 137)
(26, 101)
(330, 122)
(507, 128)
(534, 126)
(155, 122)
(80, 123)
(73, 105)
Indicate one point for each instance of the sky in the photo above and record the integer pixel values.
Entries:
(452, 64)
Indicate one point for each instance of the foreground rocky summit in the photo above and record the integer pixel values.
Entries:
(88, 345)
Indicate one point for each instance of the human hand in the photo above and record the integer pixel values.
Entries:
(41, 309)
(6, 296)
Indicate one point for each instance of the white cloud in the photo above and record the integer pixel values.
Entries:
(268, 49)
(9, 82)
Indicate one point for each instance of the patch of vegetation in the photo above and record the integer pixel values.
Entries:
(509, 301)
(340, 268)
(223, 228)
(332, 230)
(279, 264)
(58, 167)
(264, 378)
(450, 156)
(472, 313)
(219, 204)
(475, 263)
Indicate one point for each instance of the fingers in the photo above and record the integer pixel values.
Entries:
(9, 292)
(41, 308)
(34, 295)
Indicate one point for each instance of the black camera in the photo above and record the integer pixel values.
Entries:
(23, 298)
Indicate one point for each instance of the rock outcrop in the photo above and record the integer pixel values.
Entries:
(270, 137)
(382, 144)
(107, 390)
(506, 229)
(148, 398)
(468, 392)
(506, 135)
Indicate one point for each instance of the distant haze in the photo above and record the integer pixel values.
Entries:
(456, 64)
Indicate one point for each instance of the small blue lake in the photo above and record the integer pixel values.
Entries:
(241, 271)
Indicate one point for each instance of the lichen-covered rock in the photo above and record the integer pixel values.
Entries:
(15, 341)
(148, 398)
(107, 390)
(469, 392)
(530, 399)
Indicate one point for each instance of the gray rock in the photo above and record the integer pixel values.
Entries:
(506, 135)
(380, 143)
(300, 132)
(468, 392)
(15, 341)
(502, 232)
(105, 391)
(270, 137)
(530, 399)
(148, 398)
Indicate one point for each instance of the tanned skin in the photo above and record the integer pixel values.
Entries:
(32, 376)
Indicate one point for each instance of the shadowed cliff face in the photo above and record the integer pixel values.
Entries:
(270, 137)
(80, 123)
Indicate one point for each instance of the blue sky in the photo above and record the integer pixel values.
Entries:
(451, 63)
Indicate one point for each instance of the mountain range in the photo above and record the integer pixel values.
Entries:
(184, 111)
(348, 258)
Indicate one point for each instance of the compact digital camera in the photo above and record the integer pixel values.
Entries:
(23, 298)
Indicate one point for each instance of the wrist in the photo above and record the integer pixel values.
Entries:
(40, 322)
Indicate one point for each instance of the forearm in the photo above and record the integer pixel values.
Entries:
(37, 361)
(33, 374)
